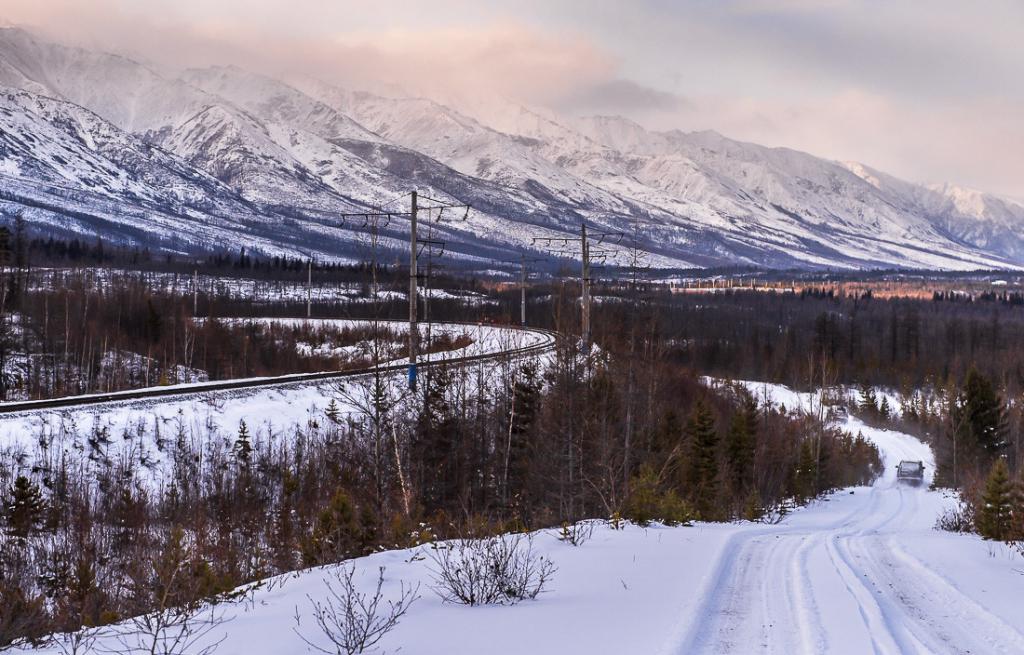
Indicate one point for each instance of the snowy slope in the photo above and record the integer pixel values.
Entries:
(123, 91)
(859, 572)
(297, 153)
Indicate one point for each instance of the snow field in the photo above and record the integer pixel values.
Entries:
(861, 571)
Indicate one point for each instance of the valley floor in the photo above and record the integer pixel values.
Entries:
(862, 571)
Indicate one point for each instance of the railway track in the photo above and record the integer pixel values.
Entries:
(19, 407)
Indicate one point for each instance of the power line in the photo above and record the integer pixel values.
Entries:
(586, 241)
(414, 252)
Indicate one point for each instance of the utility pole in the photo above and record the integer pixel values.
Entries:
(413, 295)
(585, 288)
(309, 289)
(195, 292)
(371, 219)
(522, 290)
(523, 262)
(586, 239)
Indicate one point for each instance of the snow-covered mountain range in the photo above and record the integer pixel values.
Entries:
(94, 143)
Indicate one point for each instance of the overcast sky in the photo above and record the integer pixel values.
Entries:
(930, 90)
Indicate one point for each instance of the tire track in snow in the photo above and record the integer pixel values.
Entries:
(931, 606)
(730, 616)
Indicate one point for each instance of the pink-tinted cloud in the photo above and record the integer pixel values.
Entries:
(928, 93)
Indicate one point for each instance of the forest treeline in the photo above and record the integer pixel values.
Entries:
(902, 344)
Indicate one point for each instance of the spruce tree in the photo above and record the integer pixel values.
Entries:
(243, 446)
(981, 415)
(525, 410)
(995, 513)
(740, 444)
(868, 399)
(703, 474)
(24, 509)
(884, 410)
(1017, 511)
(803, 476)
(332, 412)
(337, 534)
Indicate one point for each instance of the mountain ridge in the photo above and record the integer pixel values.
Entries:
(284, 156)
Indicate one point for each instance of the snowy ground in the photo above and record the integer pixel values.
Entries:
(136, 426)
(862, 571)
(259, 291)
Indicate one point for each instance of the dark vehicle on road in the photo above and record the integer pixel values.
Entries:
(910, 472)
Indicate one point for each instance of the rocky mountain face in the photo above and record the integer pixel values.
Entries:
(224, 158)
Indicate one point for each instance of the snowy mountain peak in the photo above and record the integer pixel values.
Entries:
(863, 172)
(221, 145)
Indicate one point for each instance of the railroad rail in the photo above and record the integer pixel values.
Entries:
(23, 406)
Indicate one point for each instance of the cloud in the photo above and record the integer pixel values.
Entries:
(976, 142)
(315, 37)
(929, 93)
(621, 96)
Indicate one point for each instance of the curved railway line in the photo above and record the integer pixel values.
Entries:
(18, 407)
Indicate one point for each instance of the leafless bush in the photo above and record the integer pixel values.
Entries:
(180, 630)
(956, 519)
(577, 533)
(76, 643)
(182, 615)
(774, 514)
(491, 571)
(353, 622)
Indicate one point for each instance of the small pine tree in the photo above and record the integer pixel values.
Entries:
(868, 399)
(753, 508)
(338, 533)
(243, 445)
(648, 502)
(884, 410)
(995, 513)
(332, 411)
(24, 510)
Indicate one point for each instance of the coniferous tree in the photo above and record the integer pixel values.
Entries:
(868, 399)
(805, 473)
(337, 534)
(525, 409)
(982, 414)
(883, 409)
(703, 474)
(1017, 510)
(740, 445)
(995, 513)
(24, 508)
(332, 412)
(243, 445)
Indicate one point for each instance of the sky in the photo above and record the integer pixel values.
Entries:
(931, 91)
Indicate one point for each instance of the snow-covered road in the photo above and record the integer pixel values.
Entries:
(851, 575)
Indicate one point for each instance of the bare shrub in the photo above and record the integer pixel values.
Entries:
(777, 512)
(576, 533)
(956, 519)
(353, 622)
(185, 629)
(185, 614)
(500, 570)
(76, 643)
